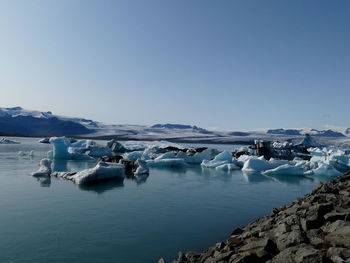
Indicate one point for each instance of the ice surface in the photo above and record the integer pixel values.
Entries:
(326, 170)
(133, 156)
(44, 169)
(80, 150)
(173, 162)
(196, 158)
(102, 171)
(224, 157)
(8, 141)
(142, 167)
(258, 165)
(286, 169)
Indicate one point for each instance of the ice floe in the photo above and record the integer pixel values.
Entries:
(142, 167)
(101, 172)
(44, 169)
(285, 169)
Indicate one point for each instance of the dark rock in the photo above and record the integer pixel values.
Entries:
(340, 237)
(130, 166)
(200, 149)
(315, 228)
(300, 254)
(246, 258)
(237, 231)
(338, 255)
(112, 159)
(333, 216)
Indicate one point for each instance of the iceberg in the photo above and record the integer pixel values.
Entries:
(101, 172)
(286, 169)
(224, 157)
(142, 167)
(116, 146)
(133, 156)
(80, 150)
(258, 165)
(8, 141)
(44, 169)
(195, 158)
(167, 155)
(173, 162)
(325, 169)
(44, 140)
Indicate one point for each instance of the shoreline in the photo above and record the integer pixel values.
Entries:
(314, 228)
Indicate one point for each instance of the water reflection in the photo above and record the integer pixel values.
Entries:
(71, 165)
(102, 187)
(287, 179)
(44, 181)
(255, 177)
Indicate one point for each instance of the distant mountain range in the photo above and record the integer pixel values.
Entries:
(314, 132)
(19, 121)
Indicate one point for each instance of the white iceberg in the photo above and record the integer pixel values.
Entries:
(101, 172)
(257, 165)
(325, 169)
(286, 169)
(224, 157)
(133, 156)
(44, 169)
(142, 167)
(167, 155)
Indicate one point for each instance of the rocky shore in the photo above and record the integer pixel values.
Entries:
(314, 228)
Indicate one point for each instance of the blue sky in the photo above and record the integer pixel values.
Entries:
(223, 64)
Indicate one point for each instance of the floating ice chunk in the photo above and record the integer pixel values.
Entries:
(286, 169)
(212, 163)
(173, 162)
(340, 157)
(44, 140)
(340, 166)
(8, 141)
(223, 156)
(220, 159)
(227, 167)
(102, 171)
(198, 157)
(116, 146)
(98, 151)
(21, 153)
(167, 155)
(44, 169)
(60, 147)
(326, 169)
(243, 158)
(142, 167)
(133, 156)
(257, 165)
(80, 150)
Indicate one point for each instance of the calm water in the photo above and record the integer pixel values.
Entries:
(173, 209)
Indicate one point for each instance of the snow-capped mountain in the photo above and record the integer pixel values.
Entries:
(19, 121)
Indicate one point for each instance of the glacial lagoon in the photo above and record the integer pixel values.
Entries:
(187, 209)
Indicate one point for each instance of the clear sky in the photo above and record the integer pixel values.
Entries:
(225, 64)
